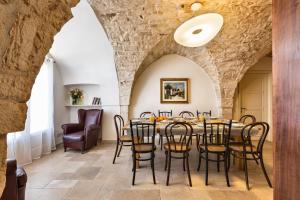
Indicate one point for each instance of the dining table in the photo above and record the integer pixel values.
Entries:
(198, 128)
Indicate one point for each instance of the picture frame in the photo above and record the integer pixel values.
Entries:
(174, 90)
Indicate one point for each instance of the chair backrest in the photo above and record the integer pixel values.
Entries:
(119, 124)
(260, 130)
(205, 114)
(184, 114)
(92, 117)
(147, 114)
(179, 133)
(165, 113)
(218, 133)
(247, 119)
(142, 133)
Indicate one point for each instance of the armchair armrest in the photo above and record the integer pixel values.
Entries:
(71, 128)
(11, 185)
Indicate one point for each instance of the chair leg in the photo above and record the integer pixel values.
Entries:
(159, 139)
(134, 168)
(199, 162)
(246, 170)
(65, 149)
(197, 141)
(120, 149)
(206, 168)
(228, 160)
(117, 147)
(264, 170)
(218, 162)
(188, 169)
(226, 168)
(169, 168)
(183, 163)
(82, 149)
(161, 142)
(166, 160)
(152, 167)
(255, 158)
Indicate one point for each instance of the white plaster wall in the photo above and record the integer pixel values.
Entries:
(146, 91)
(84, 55)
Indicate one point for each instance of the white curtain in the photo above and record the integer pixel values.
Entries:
(38, 137)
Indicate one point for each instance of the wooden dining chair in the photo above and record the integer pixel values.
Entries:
(217, 145)
(205, 114)
(247, 119)
(185, 114)
(122, 138)
(147, 114)
(250, 152)
(163, 114)
(143, 142)
(178, 146)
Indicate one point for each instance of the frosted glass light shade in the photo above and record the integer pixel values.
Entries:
(199, 30)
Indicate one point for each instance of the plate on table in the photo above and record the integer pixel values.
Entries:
(136, 120)
(238, 125)
(235, 121)
(213, 117)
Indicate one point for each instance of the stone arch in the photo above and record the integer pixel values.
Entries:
(27, 29)
(198, 55)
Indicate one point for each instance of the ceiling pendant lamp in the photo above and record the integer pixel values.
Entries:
(199, 30)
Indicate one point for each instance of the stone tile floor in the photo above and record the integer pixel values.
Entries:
(92, 176)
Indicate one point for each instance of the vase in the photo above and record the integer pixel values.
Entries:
(75, 101)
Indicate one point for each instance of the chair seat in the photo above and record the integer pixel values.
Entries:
(239, 148)
(125, 138)
(144, 148)
(74, 137)
(176, 147)
(214, 148)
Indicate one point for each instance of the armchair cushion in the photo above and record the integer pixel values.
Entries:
(71, 128)
(74, 137)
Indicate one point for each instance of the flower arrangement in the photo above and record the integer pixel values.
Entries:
(76, 95)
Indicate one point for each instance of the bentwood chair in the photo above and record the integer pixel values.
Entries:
(147, 114)
(178, 146)
(122, 138)
(247, 119)
(163, 114)
(217, 145)
(248, 151)
(143, 142)
(186, 114)
(205, 114)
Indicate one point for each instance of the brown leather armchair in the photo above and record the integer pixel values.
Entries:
(16, 179)
(86, 133)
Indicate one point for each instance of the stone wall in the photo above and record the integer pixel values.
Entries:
(141, 32)
(27, 28)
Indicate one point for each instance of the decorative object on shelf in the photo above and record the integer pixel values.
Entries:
(199, 30)
(96, 101)
(174, 90)
(76, 95)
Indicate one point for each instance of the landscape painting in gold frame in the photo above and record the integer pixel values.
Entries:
(174, 90)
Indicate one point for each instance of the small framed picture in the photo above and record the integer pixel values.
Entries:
(174, 90)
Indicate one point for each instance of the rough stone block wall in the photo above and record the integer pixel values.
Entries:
(142, 31)
(27, 28)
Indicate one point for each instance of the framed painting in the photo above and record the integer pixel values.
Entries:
(174, 90)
